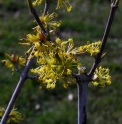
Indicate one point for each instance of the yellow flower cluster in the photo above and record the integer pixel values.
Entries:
(55, 60)
(101, 77)
(14, 116)
(93, 49)
(57, 64)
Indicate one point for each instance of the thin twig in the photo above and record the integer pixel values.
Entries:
(33, 77)
(114, 6)
(46, 8)
(17, 68)
(33, 11)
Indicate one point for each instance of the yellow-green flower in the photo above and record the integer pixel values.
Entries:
(48, 21)
(101, 77)
(47, 77)
(67, 47)
(40, 45)
(93, 48)
(32, 38)
(14, 116)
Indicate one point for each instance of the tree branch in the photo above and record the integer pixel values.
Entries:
(114, 6)
(82, 85)
(17, 90)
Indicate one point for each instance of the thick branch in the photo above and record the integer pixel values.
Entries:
(82, 84)
(114, 6)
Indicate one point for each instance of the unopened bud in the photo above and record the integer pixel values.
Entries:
(14, 57)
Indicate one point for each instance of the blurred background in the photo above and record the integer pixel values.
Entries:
(86, 22)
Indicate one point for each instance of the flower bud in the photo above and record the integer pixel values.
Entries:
(14, 57)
